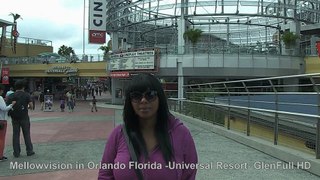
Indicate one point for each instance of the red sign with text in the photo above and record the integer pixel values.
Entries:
(5, 75)
(119, 74)
(97, 37)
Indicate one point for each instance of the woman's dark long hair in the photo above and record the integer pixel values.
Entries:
(141, 83)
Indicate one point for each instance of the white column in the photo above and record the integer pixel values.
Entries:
(180, 78)
(115, 41)
(113, 90)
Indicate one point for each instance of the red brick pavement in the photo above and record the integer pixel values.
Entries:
(51, 131)
(85, 174)
(56, 126)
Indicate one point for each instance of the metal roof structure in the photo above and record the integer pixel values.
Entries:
(152, 23)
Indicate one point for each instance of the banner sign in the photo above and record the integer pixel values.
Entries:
(139, 60)
(97, 21)
(318, 47)
(5, 75)
(62, 70)
(123, 74)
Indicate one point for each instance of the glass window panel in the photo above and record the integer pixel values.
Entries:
(249, 3)
(207, 3)
(228, 3)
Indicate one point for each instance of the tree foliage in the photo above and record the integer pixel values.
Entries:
(66, 51)
(193, 35)
(105, 50)
(289, 38)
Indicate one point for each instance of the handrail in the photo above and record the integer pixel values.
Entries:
(248, 108)
(257, 79)
(290, 95)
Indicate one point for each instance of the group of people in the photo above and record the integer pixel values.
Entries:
(149, 134)
(89, 90)
(66, 99)
(71, 102)
(17, 104)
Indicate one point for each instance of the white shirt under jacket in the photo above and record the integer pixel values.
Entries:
(4, 109)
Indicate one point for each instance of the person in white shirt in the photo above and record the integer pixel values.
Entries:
(3, 122)
(70, 101)
(9, 93)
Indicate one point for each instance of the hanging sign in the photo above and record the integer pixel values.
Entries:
(5, 75)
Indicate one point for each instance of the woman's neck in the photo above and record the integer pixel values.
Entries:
(147, 124)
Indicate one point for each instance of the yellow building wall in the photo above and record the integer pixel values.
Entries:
(85, 69)
(312, 64)
(27, 50)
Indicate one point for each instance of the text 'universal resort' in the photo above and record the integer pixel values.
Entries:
(154, 165)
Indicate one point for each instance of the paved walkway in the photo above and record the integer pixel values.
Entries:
(70, 146)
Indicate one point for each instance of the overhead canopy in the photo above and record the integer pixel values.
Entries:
(5, 23)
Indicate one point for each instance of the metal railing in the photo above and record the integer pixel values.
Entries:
(41, 60)
(200, 49)
(287, 105)
(212, 48)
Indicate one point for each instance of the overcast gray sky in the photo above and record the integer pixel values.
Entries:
(59, 21)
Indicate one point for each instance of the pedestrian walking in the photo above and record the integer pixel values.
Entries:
(62, 102)
(41, 100)
(94, 104)
(70, 101)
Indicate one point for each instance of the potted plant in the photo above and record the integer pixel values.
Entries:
(289, 39)
(193, 35)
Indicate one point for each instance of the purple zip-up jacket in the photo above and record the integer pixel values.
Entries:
(115, 161)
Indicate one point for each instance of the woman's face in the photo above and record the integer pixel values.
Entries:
(145, 104)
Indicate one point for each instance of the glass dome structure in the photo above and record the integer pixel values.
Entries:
(240, 23)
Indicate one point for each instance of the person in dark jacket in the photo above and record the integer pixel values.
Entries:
(22, 119)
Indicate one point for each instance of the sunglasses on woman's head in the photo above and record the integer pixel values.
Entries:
(137, 96)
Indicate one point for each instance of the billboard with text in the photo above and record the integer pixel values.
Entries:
(137, 60)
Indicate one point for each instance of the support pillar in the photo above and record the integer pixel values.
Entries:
(180, 83)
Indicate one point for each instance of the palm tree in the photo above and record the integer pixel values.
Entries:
(105, 50)
(193, 35)
(66, 51)
(15, 17)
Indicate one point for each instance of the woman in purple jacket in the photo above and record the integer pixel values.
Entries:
(164, 146)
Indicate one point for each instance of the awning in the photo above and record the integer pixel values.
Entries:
(5, 23)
